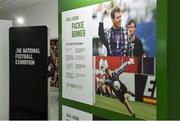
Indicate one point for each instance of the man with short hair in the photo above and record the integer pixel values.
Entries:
(116, 38)
(138, 46)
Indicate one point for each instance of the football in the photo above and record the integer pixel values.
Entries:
(116, 85)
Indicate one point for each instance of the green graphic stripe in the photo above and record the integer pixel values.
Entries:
(161, 59)
(60, 60)
(96, 110)
(173, 60)
(73, 4)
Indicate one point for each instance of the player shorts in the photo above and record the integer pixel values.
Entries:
(120, 93)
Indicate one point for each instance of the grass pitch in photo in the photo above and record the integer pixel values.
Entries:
(120, 90)
(142, 110)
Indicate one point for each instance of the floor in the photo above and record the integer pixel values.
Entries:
(53, 103)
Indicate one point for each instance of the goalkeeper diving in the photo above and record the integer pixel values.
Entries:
(118, 88)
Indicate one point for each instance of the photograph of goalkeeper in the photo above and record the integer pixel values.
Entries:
(119, 89)
(125, 37)
(115, 39)
(111, 86)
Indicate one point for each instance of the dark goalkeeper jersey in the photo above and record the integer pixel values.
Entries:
(117, 42)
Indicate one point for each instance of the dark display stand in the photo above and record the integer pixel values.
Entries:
(28, 73)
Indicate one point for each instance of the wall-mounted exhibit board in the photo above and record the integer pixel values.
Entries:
(4, 68)
(28, 72)
(105, 71)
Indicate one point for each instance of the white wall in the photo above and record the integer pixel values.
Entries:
(41, 13)
(4, 69)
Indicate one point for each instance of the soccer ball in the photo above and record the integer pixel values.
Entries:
(116, 85)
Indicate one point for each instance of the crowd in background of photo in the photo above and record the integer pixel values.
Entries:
(53, 66)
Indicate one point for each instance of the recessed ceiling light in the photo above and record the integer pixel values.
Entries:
(20, 20)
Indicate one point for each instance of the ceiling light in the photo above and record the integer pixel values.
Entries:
(20, 21)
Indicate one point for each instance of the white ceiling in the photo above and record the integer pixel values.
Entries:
(9, 5)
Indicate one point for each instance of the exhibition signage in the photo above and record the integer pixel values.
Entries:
(106, 72)
(28, 72)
